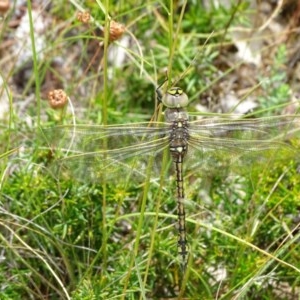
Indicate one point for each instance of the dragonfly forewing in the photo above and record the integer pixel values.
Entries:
(217, 144)
(245, 135)
(95, 152)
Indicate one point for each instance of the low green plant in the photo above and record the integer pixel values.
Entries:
(64, 238)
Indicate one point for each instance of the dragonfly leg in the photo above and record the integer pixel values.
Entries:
(158, 91)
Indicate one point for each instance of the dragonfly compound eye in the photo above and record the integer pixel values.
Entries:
(175, 98)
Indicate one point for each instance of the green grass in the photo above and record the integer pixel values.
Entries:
(62, 238)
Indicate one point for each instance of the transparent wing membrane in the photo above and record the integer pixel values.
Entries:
(95, 152)
(113, 148)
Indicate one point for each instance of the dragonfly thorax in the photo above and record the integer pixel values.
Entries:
(179, 139)
(175, 98)
(176, 115)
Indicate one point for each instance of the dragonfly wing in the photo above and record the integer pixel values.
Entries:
(93, 153)
(89, 138)
(221, 142)
(244, 135)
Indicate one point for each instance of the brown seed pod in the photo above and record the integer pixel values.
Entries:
(4, 6)
(116, 30)
(83, 17)
(57, 99)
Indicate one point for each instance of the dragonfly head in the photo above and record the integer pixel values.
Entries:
(175, 98)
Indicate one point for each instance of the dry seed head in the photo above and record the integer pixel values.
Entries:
(83, 17)
(57, 99)
(4, 6)
(116, 30)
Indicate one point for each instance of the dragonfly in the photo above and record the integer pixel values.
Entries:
(102, 151)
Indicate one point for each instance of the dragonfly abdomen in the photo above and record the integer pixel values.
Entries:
(182, 240)
(178, 149)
